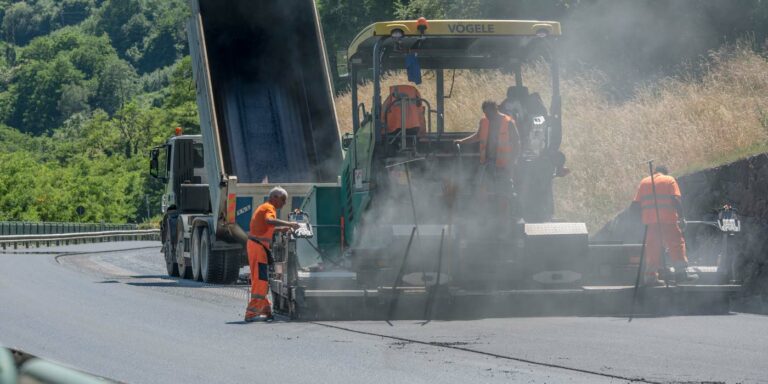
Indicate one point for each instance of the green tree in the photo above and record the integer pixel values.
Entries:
(181, 101)
(21, 23)
(18, 186)
(124, 22)
(167, 40)
(75, 11)
(117, 84)
(74, 99)
(343, 19)
(38, 88)
(438, 9)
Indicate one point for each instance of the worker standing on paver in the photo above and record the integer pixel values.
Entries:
(499, 149)
(264, 223)
(663, 232)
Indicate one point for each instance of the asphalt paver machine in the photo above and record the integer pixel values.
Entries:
(414, 229)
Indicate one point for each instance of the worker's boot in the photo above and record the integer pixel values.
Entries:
(666, 274)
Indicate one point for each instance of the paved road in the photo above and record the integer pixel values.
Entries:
(112, 312)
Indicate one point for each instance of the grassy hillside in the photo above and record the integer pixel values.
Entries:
(683, 122)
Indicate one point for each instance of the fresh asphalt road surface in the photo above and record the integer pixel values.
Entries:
(114, 313)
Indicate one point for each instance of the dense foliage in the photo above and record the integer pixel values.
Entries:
(87, 87)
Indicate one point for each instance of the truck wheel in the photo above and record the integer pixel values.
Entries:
(185, 271)
(197, 274)
(170, 258)
(211, 264)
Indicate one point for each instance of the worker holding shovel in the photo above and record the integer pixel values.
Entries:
(658, 196)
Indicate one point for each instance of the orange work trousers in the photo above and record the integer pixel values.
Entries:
(671, 239)
(257, 260)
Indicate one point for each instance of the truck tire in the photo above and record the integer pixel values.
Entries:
(211, 264)
(216, 267)
(185, 271)
(170, 258)
(194, 251)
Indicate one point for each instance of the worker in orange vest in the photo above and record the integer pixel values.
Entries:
(264, 223)
(499, 149)
(663, 233)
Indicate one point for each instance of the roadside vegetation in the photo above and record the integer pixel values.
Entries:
(714, 113)
(86, 89)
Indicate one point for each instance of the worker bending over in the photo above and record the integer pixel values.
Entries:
(664, 232)
(264, 223)
(499, 149)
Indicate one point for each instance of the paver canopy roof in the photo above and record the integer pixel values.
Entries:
(453, 43)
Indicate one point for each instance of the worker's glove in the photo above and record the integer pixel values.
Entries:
(682, 224)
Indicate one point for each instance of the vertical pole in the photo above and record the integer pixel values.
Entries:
(664, 261)
(440, 97)
(395, 294)
(404, 100)
(433, 292)
(555, 134)
(518, 75)
(410, 194)
(639, 274)
(353, 93)
(355, 114)
(376, 107)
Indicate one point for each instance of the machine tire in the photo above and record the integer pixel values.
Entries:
(185, 271)
(197, 274)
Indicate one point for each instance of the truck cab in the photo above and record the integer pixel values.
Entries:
(179, 164)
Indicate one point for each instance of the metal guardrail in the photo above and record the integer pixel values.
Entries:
(47, 240)
(42, 228)
(29, 369)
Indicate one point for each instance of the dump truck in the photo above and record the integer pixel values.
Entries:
(412, 229)
(267, 117)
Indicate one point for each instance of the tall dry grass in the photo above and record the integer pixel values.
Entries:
(683, 122)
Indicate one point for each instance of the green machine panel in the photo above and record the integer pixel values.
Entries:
(323, 204)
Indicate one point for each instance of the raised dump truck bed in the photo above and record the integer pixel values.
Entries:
(266, 117)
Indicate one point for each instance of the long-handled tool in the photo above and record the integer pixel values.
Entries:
(395, 292)
(639, 274)
(428, 308)
(410, 187)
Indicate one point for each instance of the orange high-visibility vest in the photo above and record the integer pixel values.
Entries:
(504, 147)
(391, 113)
(667, 191)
